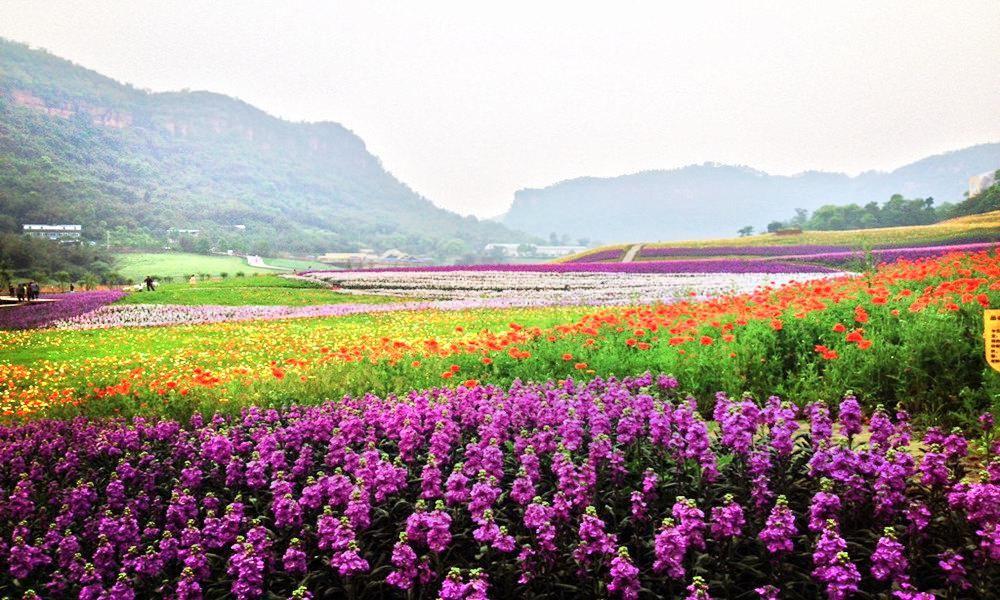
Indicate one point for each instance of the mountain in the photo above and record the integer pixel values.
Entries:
(127, 164)
(713, 200)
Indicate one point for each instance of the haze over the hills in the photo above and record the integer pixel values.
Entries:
(713, 200)
(467, 102)
(78, 147)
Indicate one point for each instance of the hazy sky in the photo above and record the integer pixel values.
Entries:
(467, 101)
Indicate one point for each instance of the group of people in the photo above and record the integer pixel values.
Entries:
(27, 291)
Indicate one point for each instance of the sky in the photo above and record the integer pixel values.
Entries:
(469, 101)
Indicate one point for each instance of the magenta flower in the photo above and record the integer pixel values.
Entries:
(670, 547)
(779, 529)
(849, 416)
(727, 520)
(889, 561)
(624, 576)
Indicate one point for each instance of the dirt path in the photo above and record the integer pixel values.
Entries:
(632, 253)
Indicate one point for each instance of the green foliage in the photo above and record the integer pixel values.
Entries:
(137, 265)
(896, 212)
(23, 257)
(268, 290)
(986, 201)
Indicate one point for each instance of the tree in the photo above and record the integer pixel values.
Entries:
(800, 218)
(526, 249)
(746, 231)
(62, 278)
(775, 226)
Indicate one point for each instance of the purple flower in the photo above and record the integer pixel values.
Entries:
(779, 528)
(624, 576)
(670, 546)
(888, 561)
(690, 521)
(294, 560)
(986, 422)
(950, 562)
(820, 425)
(768, 592)
(727, 520)
(824, 506)
(698, 590)
(594, 541)
(849, 416)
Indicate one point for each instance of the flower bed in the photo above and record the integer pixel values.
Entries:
(566, 288)
(802, 249)
(666, 266)
(600, 255)
(65, 306)
(543, 490)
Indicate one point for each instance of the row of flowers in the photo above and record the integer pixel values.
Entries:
(668, 266)
(451, 292)
(55, 307)
(609, 488)
(795, 250)
(653, 251)
(572, 288)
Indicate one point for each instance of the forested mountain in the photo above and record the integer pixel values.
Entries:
(78, 147)
(712, 200)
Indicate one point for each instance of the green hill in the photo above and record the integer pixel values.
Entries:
(78, 147)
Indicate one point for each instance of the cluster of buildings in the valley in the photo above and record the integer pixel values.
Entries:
(531, 250)
(62, 233)
(369, 259)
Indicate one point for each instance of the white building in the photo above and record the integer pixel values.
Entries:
(54, 232)
(979, 183)
(533, 251)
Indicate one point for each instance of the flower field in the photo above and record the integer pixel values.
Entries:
(607, 488)
(540, 287)
(502, 437)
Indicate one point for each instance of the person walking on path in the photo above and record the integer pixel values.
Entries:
(20, 292)
(34, 290)
(149, 284)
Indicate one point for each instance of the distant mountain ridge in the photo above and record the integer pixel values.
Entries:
(713, 200)
(79, 147)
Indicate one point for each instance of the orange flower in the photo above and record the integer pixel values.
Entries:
(839, 328)
(864, 344)
(580, 366)
(447, 375)
(776, 324)
(454, 368)
(470, 383)
(860, 314)
(855, 336)
(631, 342)
(706, 341)
(278, 373)
(643, 346)
(415, 364)
(567, 356)
(486, 360)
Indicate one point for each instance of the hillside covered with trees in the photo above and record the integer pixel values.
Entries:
(895, 212)
(129, 165)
